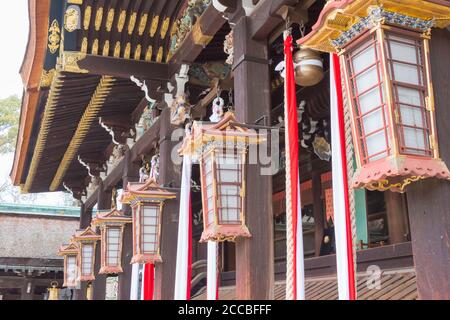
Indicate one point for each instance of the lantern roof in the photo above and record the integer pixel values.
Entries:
(346, 18)
(146, 192)
(226, 130)
(68, 249)
(87, 234)
(113, 216)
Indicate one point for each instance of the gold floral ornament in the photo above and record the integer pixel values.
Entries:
(54, 38)
(72, 19)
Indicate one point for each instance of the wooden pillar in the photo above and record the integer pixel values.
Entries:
(170, 174)
(429, 200)
(85, 221)
(397, 217)
(319, 216)
(103, 203)
(254, 256)
(130, 174)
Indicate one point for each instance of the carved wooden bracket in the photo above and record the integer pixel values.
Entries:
(119, 129)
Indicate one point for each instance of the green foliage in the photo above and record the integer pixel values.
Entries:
(9, 123)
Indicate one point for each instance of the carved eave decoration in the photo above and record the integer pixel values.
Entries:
(226, 132)
(342, 20)
(149, 191)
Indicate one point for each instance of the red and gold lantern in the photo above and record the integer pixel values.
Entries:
(111, 225)
(221, 149)
(70, 254)
(147, 202)
(86, 241)
(384, 51)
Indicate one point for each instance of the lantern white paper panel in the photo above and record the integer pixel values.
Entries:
(71, 269)
(370, 99)
(149, 227)
(87, 255)
(113, 246)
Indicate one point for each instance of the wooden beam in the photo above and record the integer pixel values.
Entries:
(209, 23)
(121, 68)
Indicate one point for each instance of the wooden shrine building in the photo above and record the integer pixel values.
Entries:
(109, 87)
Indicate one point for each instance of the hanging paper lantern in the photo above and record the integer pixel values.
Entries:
(70, 254)
(86, 241)
(221, 149)
(385, 55)
(147, 202)
(111, 225)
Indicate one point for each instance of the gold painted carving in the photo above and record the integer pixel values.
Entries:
(198, 36)
(84, 45)
(121, 21)
(132, 23)
(98, 18)
(127, 51)
(143, 24)
(137, 52)
(79, 2)
(117, 50)
(110, 20)
(165, 27)
(159, 56)
(154, 26)
(71, 19)
(54, 38)
(47, 78)
(85, 123)
(87, 17)
(68, 62)
(106, 48)
(95, 47)
(149, 54)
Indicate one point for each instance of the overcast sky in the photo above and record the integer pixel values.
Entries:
(14, 28)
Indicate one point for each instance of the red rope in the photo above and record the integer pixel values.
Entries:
(292, 131)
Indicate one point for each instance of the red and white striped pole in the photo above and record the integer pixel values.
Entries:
(342, 221)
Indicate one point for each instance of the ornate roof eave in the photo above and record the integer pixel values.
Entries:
(339, 16)
(31, 72)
